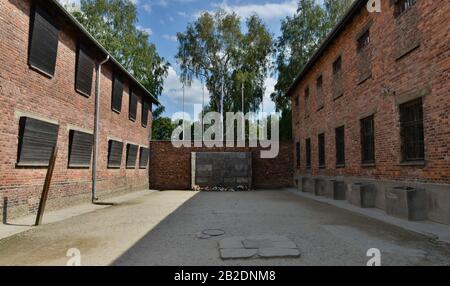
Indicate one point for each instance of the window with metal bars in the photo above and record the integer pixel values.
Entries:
(411, 131)
(308, 153)
(321, 145)
(340, 146)
(297, 153)
(368, 140)
(402, 6)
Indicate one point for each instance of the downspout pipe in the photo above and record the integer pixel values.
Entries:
(97, 128)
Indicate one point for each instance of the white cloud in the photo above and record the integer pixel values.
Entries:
(267, 11)
(269, 105)
(171, 38)
(149, 31)
(173, 90)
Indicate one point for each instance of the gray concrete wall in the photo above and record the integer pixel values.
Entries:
(225, 169)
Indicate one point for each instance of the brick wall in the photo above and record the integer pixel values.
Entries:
(170, 167)
(24, 91)
(401, 70)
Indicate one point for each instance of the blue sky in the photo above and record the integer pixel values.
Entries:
(162, 19)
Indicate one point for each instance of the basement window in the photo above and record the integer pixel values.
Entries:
(308, 153)
(37, 139)
(401, 6)
(131, 156)
(144, 154)
(117, 92)
(84, 72)
(340, 146)
(144, 115)
(114, 154)
(321, 139)
(43, 44)
(297, 153)
(368, 140)
(411, 131)
(133, 106)
(80, 149)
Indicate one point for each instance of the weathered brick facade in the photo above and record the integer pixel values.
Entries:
(170, 167)
(26, 92)
(408, 57)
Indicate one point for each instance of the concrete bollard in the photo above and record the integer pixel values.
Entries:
(406, 203)
(362, 195)
(336, 190)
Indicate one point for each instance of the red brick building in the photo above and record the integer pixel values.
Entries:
(48, 91)
(373, 103)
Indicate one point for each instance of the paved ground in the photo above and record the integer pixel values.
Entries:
(162, 228)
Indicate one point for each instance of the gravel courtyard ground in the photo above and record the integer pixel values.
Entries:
(162, 228)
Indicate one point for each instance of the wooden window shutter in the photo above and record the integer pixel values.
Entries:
(131, 156)
(133, 106)
(117, 92)
(114, 154)
(143, 157)
(80, 149)
(145, 108)
(36, 142)
(43, 44)
(84, 72)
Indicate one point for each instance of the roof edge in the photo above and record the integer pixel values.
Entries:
(337, 30)
(83, 30)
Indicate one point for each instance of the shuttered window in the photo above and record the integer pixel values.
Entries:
(43, 44)
(131, 156)
(402, 6)
(368, 140)
(340, 146)
(319, 88)
(321, 140)
(84, 72)
(144, 154)
(36, 142)
(80, 149)
(308, 153)
(114, 154)
(144, 115)
(133, 106)
(117, 92)
(297, 154)
(411, 130)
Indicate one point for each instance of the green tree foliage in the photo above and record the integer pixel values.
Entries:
(113, 24)
(162, 128)
(301, 35)
(215, 48)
